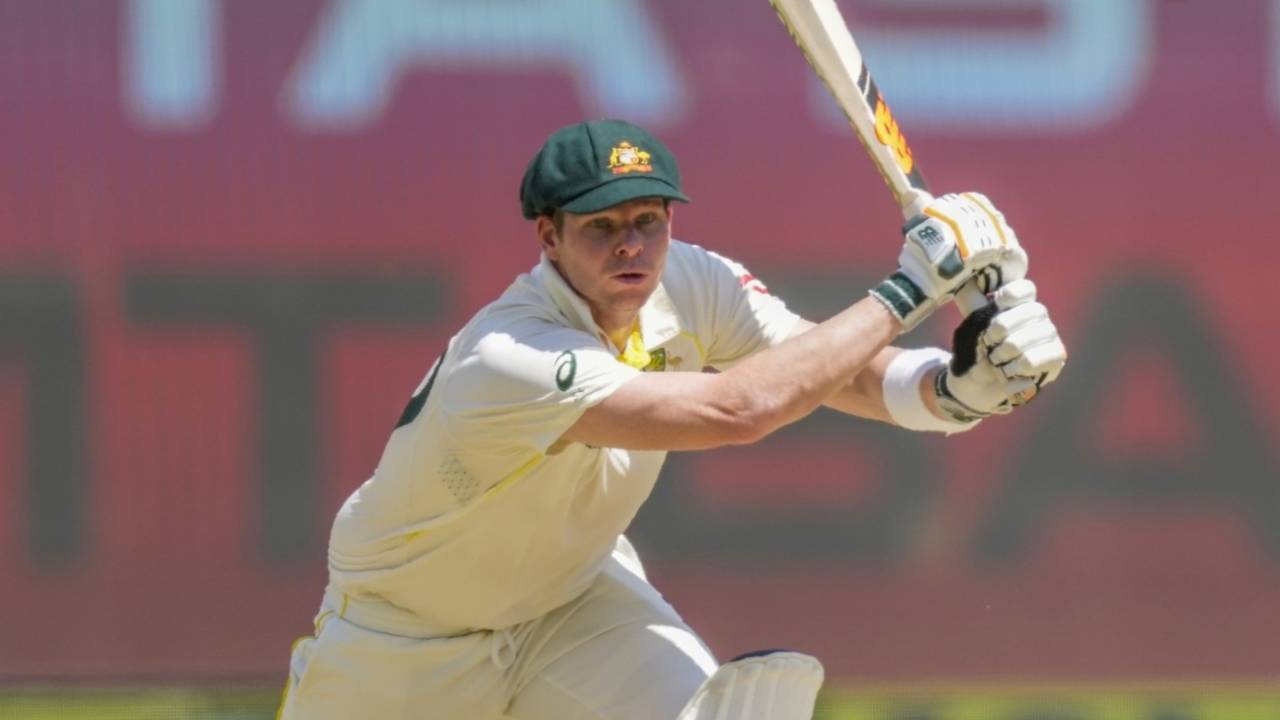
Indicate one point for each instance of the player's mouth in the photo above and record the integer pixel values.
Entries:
(633, 277)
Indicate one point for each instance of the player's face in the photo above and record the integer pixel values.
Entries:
(612, 258)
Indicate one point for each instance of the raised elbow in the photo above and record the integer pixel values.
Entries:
(743, 417)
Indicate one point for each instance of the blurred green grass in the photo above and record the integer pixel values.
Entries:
(55, 703)
(1055, 701)
(907, 701)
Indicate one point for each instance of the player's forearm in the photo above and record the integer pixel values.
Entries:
(784, 383)
(864, 396)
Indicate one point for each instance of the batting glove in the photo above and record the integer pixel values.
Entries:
(1002, 355)
(958, 238)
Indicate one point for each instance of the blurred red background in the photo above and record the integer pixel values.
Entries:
(234, 236)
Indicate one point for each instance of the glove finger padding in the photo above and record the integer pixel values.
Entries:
(1002, 354)
(1043, 362)
(1013, 263)
(1018, 392)
(1023, 342)
(1005, 323)
(1014, 292)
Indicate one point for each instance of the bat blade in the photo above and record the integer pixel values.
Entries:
(820, 31)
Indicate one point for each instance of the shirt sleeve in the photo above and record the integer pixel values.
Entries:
(511, 398)
(748, 318)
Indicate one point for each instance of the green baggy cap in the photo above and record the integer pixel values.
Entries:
(594, 165)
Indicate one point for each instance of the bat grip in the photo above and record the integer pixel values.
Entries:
(914, 202)
(970, 298)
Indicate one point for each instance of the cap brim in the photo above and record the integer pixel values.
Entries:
(620, 191)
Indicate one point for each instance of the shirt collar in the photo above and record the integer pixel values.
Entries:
(658, 319)
(574, 309)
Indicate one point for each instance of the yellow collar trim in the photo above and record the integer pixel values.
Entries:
(635, 355)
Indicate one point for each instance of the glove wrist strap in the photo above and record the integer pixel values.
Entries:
(903, 298)
(901, 389)
(950, 404)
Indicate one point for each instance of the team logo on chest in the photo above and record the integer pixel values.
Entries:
(625, 158)
(657, 361)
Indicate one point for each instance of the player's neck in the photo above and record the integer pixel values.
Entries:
(617, 328)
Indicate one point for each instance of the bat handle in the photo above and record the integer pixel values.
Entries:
(913, 202)
(970, 298)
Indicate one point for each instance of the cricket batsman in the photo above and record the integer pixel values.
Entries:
(482, 571)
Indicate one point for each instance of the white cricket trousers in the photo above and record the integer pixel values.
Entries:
(619, 651)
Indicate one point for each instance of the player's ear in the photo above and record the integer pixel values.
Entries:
(548, 237)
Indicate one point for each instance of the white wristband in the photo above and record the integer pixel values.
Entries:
(902, 398)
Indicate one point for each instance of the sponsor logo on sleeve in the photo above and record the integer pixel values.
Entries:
(566, 369)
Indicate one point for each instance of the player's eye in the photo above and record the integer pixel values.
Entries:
(648, 218)
(600, 223)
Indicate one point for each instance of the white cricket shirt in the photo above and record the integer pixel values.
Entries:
(476, 517)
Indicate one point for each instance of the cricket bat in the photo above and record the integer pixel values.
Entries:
(824, 38)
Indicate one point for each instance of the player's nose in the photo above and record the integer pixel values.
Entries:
(631, 244)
